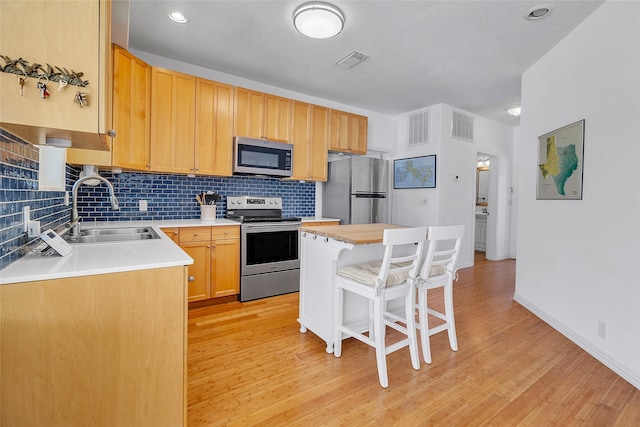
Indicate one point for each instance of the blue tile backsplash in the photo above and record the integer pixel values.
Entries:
(168, 196)
(19, 188)
(173, 196)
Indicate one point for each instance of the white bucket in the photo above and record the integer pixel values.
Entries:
(207, 212)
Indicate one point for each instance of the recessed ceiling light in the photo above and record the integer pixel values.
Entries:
(178, 17)
(538, 12)
(318, 20)
(514, 110)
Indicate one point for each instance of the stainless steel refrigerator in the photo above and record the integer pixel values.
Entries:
(356, 191)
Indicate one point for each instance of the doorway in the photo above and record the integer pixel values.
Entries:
(489, 220)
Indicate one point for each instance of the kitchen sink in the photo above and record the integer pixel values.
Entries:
(115, 234)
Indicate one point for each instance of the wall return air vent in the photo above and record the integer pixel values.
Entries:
(462, 126)
(419, 128)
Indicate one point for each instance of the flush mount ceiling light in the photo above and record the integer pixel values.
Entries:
(318, 20)
(514, 110)
(538, 12)
(178, 17)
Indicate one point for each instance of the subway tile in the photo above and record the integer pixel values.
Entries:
(168, 196)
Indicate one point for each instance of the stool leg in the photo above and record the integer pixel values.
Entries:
(379, 332)
(410, 314)
(424, 324)
(448, 309)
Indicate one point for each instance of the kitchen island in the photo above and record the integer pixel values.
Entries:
(97, 337)
(324, 249)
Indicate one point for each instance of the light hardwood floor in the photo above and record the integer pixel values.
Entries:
(248, 364)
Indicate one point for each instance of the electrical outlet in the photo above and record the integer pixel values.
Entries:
(142, 205)
(33, 228)
(602, 329)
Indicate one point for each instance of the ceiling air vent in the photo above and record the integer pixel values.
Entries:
(419, 128)
(462, 126)
(351, 59)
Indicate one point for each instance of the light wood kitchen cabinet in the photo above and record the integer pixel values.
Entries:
(106, 349)
(348, 132)
(260, 115)
(172, 233)
(51, 33)
(172, 121)
(216, 254)
(225, 261)
(131, 111)
(213, 128)
(130, 148)
(309, 129)
(191, 124)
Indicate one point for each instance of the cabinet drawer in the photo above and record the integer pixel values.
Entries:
(172, 232)
(195, 234)
(230, 232)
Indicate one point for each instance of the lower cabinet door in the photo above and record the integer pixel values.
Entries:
(199, 278)
(226, 267)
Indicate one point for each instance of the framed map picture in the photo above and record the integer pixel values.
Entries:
(560, 163)
(416, 172)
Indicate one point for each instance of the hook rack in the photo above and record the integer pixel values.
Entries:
(21, 67)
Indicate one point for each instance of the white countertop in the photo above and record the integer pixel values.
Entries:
(98, 258)
(111, 257)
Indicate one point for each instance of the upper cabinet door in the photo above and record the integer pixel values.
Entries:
(77, 39)
(318, 142)
(131, 111)
(214, 128)
(300, 140)
(348, 132)
(172, 121)
(249, 111)
(277, 118)
(260, 115)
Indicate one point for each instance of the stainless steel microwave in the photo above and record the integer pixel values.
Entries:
(261, 157)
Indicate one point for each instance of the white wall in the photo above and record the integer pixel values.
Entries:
(578, 260)
(453, 199)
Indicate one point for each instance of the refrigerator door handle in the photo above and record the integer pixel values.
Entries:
(370, 195)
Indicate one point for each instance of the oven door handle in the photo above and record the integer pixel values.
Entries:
(271, 227)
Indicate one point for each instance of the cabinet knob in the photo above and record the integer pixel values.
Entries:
(191, 278)
(111, 133)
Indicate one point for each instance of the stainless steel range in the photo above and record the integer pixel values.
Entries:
(269, 260)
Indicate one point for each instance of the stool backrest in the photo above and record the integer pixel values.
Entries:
(442, 250)
(406, 263)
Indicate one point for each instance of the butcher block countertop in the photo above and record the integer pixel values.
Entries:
(356, 234)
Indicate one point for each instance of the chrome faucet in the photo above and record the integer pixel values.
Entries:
(74, 224)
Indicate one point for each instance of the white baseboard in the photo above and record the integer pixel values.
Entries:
(604, 358)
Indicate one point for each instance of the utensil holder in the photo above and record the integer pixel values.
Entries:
(207, 212)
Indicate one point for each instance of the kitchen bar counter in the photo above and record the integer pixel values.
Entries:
(323, 250)
(356, 234)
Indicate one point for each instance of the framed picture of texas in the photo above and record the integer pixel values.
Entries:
(560, 163)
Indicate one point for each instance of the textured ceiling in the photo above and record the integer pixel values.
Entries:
(467, 54)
